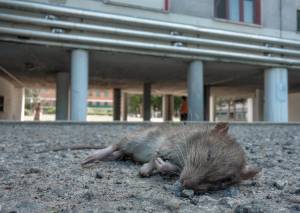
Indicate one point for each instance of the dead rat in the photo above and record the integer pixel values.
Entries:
(205, 158)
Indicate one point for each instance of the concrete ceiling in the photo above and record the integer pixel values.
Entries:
(36, 66)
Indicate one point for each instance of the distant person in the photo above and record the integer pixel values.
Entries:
(37, 112)
(183, 109)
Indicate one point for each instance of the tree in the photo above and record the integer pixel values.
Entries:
(156, 102)
(135, 103)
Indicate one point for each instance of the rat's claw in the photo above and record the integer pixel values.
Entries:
(147, 168)
(164, 166)
(161, 165)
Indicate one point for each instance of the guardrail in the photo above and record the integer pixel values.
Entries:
(149, 36)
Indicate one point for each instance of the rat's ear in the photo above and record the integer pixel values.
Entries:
(221, 128)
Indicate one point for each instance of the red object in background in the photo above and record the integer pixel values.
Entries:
(167, 5)
(257, 12)
(241, 10)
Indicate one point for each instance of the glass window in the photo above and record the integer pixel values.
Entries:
(247, 11)
(220, 8)
(234, 10)
(231, 109)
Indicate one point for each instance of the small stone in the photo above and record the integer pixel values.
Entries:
(207, 199)
(59, 192)
(253, 183)
(177, 188)
(253, 207)
(121, 208)
(232, 191)
(280, 184)
(88, 196)
(33, 171)
(297, 192)
(187, 193)
(118, 182)
(294, 199)
(194, 201)
(99, 175)
(229, 202)
(63, 155)
(269, 197)
(295, 208)
(173, 205)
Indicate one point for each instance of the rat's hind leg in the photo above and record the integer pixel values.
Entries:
(101, 154)
(147, 168)
(115, 155)
(165, 167)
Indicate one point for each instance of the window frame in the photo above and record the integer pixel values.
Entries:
(256, 12)
(164, 7)
(298, 19)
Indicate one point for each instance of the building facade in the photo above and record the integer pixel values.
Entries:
(234, 59)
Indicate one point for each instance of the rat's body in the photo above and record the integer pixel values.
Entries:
(205, 158)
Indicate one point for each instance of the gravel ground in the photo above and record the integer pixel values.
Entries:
(55, 182)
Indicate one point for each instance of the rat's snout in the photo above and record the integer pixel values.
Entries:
(186, 183)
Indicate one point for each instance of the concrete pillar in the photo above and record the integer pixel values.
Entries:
(195, 91)
(18, 104)
(147, 102)
(250, 109)
(276, 95)
(206, 99)
(124, 106)
(22, 103)
(117, 104)
(62, 95)
(168, 107)
(212, 108)
(79, 84)
(258, 106)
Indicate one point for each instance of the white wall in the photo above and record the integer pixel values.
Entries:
(257, 102)
(234, 92)
(294, 107)
(14, 101)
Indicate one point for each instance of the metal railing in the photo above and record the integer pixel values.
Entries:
(142, 35)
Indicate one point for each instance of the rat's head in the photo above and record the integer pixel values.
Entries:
(193, 170)
(189, 178)
(197, 156)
